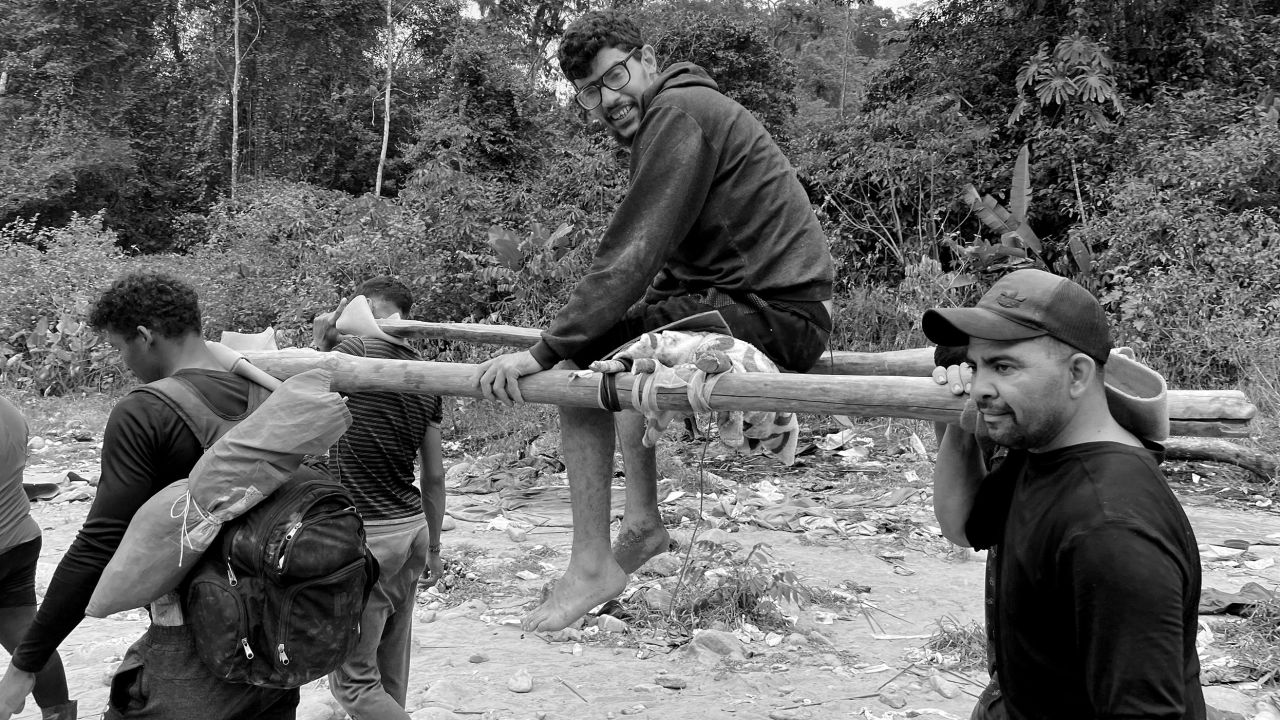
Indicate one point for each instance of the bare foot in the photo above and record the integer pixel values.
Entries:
(573, 595)
(636, 544)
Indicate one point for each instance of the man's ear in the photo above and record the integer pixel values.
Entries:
(649, 58)
(146, 334)
(1084, 370)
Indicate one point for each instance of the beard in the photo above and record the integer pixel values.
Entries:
(1012, 431)
(1035, 427)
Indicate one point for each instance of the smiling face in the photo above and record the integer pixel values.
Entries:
(619, 110)
(1023, 389)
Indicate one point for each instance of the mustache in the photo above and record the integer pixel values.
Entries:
(992, 408)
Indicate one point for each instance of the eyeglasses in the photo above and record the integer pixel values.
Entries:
(615, 78)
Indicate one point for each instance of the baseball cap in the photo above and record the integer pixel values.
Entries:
(1026, 304)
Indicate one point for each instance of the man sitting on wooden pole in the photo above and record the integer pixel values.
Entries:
(715, 220)
(1095, 586)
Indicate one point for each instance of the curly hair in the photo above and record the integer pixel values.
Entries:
(595, 31)
(166, 305)
(389, 289)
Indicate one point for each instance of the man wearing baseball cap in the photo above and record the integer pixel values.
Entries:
(1092, 611)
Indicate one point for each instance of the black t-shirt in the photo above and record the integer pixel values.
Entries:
(1097, 588)
(145, 447)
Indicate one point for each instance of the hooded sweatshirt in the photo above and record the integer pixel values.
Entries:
(713, 203)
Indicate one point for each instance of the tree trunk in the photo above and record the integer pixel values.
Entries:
(1264, 466)
(235, 96)
(386, 101)
(844, 60)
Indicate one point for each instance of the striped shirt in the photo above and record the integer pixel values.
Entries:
(374, 460)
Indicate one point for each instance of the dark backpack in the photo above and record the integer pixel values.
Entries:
(276, 600)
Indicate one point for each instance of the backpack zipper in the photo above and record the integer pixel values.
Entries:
(244, 645)
(286, 605)
(286, 500)
(287, 543)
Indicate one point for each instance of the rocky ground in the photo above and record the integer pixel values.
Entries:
(885, 625)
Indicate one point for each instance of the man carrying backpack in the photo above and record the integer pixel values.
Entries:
(153, 321)
(374, 461)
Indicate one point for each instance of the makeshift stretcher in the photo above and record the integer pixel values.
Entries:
(865, 384)
(1204, 413)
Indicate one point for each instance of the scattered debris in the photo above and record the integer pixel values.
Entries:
(521, 681)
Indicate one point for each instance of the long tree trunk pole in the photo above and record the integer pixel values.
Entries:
(235, 96)
(1192, 412)
(914, 362)
(386, 101)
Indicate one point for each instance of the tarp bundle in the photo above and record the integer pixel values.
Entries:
(172, 529)
(696, 361)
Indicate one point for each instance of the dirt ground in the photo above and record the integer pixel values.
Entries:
(883, 579)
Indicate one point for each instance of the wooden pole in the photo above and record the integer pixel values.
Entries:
(1203, 413)
(507, 335)
(917, 362)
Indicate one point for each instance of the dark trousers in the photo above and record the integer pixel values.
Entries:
(162, 678)
(792, 334)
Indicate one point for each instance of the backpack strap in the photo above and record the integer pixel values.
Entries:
(206, 422)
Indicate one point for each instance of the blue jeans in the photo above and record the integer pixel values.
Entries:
(162, 678)
(373, 682)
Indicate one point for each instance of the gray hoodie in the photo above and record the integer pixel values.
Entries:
(713, 203)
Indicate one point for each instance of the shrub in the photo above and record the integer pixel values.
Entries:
(48, 278)
(887, 181)
(1190, 232)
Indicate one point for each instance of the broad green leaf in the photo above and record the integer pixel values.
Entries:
(1020, 193)
(1028, 237)
(984, 208)
(506, 244)
(1081, 254)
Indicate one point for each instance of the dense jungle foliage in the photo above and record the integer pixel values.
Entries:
(1153, 174)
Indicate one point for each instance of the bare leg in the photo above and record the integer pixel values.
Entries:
(593, 576)
(51, 682)
(642, 534)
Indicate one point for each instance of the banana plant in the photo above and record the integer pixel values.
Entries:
(1016, 235)
(1011, 223)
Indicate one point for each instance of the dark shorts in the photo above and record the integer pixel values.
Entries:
(162, 678)
(793, 334)
(18, 574)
